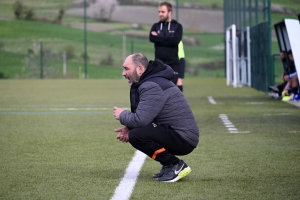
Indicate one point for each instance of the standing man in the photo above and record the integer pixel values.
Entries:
(166, 35)
(161, 123)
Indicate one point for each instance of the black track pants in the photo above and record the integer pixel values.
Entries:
(160, 143)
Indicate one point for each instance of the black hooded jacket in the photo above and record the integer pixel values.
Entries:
(166, 42)
(154, 72)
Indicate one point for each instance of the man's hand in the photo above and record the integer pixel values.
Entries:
(154, 33)
(117, 112)
(123, 135)
(284, 93)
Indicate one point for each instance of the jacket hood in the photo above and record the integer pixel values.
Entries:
(156, 69)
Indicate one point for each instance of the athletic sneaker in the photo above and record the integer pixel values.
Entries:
(274, 88)
(173, 173)
(274, 95)
(161, 173)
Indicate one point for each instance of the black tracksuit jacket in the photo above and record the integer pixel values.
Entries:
(166, 43)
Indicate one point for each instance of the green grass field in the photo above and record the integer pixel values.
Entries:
(57, 142)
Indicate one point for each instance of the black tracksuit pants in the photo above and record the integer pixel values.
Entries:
(161, 143)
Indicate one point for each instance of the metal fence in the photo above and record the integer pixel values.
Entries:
(278, 68)
(255, 14)
(46, 59)
(49, 59)
(60, 58)
(61, 53)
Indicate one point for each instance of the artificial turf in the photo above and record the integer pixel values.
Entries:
(57, 142)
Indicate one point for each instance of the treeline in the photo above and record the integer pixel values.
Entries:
(23, 12)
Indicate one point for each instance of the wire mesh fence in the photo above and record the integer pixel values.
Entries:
(44, 59)
(244, 13)
(255, 14)
(278, 68)
(61, 58)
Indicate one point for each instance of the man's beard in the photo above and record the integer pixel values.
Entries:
(134, 78)
(165, 19)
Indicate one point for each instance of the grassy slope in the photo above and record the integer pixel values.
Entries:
(37, 4)
(290, 4)
(11, 64)
(50, 150)
(20, 35)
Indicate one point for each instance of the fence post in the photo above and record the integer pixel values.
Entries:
(85, 42)
(250, 13)
(177, 14)
(64, 64)
(271, 82)
(124, 46)
(132, 46)
(41, 60)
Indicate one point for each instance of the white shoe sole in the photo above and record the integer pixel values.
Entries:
(186, 171)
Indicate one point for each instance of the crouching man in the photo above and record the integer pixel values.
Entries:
(161, 123)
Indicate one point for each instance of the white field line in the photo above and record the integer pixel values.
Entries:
(55, 109)
(277, 114)
(294, 131)
(126, 186)
(35, 109)
(229, 125)
(211, 100)
(255, 103)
